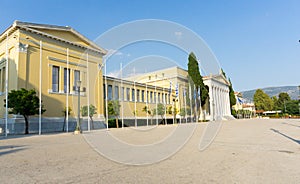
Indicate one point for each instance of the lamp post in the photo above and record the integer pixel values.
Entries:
(299, 97)
(77, 87)
(157, 78)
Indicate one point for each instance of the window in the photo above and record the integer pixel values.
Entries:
(127, 94)
(66, 80)
(122, 93)
(154, 97)
(104, 91)
(143, 95)
(151, 97)
(116, 96)
(147, 97)
(158, 98)
(138, 95)
(109, 92)
(3, 73)
(132, 95)
(55, 79)
(168, 98)
(76, 78)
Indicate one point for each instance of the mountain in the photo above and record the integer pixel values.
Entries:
(273, 91)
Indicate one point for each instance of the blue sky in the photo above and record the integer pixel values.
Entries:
(255, 42)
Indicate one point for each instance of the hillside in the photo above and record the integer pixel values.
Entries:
(273, 91)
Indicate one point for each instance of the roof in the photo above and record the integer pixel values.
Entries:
(217, 77)
(34, 27)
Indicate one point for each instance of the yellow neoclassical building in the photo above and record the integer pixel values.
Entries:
(134, 96)
(51, 59)
(166, 87)
(170, 87)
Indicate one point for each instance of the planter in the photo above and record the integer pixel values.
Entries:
(76, 132)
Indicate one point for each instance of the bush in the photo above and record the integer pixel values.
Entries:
(112, 123)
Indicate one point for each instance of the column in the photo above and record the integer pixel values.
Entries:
(216, 103)
(72, 81)
(222, 102)
(211, 101)
(50, 78)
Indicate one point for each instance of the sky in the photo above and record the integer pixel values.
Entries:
(255, 42)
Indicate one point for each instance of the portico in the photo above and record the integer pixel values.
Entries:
(219, 106)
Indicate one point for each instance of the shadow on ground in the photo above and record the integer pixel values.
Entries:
(290, 124)
(8, 149)
(284, 135)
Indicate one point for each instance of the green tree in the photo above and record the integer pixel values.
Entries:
(275, 103)
(114, 110)
(283, 98)
(169, 110)
(24, 102)
(224, 74)
(160, 110)
(292, 107)
(194, 73)
(232, 98)
(92, 109)
(262, 101)
(184, 112)
(149, 111)
(65, 115)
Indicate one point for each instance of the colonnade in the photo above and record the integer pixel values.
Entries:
(219, 101)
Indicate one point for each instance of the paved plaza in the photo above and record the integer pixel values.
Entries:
(244, 151)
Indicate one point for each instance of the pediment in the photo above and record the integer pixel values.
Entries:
(62, 32)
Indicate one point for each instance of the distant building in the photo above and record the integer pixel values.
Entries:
(247, 108)
(175, 79)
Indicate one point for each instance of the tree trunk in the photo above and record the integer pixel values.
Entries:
(163, 120)
(91, 117)
(197, 105)
(26, 124)
(64, 123)
(117, 122)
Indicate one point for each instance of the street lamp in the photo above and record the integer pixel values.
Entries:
(299, 96)
(77, 88)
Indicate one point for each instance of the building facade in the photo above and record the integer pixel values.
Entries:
(51, 59)
(182, 96)
(243, 108)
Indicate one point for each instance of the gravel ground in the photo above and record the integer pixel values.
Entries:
(244, 151)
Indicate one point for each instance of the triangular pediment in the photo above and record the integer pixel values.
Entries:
(62, 32)
(67, 35)
(221, 79)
